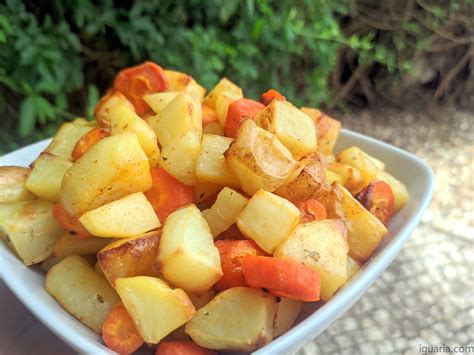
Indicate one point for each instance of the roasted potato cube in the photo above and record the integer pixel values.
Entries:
(322, 246)
(350, 177)
(211, 165)
(222, 106)
(360, 160)
(47, 175)
(364, 230)
(268, 220)
(129, 257)
(187, 254)
(224, 211)
(114, 167)
(13, 184)
(29, 229)
(179, 158)
(327, 129)
(288, 311)
(178, 81)
(68, 244)
(258, 159)
(181, 115)
(305, 184)
(293, 128)
(204, 190)
(238, 318)
(129, 216)
(66, 138)
(223, 88)
(109, 101)
(83, 293)
(213, 128)
(158, 101)
(399, 190)
(352, 267)
(331, 177)
(155, 308)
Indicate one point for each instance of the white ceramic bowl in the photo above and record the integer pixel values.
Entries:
(27, 283)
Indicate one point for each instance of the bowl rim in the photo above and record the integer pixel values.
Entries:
(305, 330)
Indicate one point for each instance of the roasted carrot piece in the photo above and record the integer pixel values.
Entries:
(240, 110)
(208, 115)
(119, 332)
(311, 210)
(232, 253)
(270, 95)
(138, 81)
(182, 347)
(88, 141)
(70, 223)
(282, 277)
(378, 198)
(167, 194)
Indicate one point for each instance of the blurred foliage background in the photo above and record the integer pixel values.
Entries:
(58, 57)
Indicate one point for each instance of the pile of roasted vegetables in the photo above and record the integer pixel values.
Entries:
(193, 222)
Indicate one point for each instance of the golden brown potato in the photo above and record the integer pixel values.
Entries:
(211, 165)
(287, 313)
(29, 229)
(306, 183)
(327, 129)
(187, 254)
(159, 100)
(360, 160)
(83, 293)
(224, 87)
(322, 246)
(268, 220)
(364, 230)
(178, 81)
(293, 128)
(155, 308)
(129, 216)
(68, 244)
(66, 138)
(13, 184)
(181, 115)
(350, 177)
(399, 190)
(222, 106)
(238, 318)
(352, 267)
(47, 175)
(113, 168)
(258, 159)
(179, 158)
(224, 211)
(129, 257)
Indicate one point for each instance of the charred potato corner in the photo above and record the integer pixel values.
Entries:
(194, 222)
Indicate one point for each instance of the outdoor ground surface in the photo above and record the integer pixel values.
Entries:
(425, 298)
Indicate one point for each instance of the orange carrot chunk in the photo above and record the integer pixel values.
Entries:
(167, 194)
(378, 198)
(182, 347)
(119, 332)
(70, 223)
(87, 141)
(232, 253)
(239, 111)
(138, 81)
(270, 95)
(208, 115)
(282, 277)
(311, 210)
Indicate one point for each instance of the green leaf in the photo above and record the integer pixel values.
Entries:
(27, 116)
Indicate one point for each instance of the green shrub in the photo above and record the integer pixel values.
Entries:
(56, 57)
